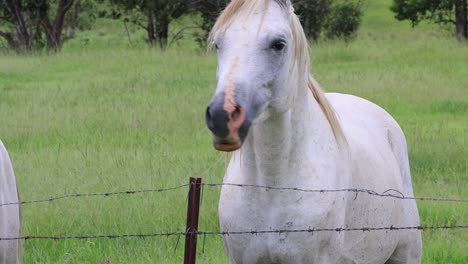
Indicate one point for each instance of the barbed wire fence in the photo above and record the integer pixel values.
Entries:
(195, 194)
(386, 193)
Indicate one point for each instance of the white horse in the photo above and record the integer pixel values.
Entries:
(9, 214)
(287, 133)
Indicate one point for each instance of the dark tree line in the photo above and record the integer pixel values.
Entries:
(27, 22)
(27, 25)
(158, 14)
(454, 12)
(209, 12)
(331, 18)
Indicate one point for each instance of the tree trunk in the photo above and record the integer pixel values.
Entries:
(162, 30)
(74, 19)
(47, 24)
(23, 42)
(53, 29)
(150, 30)
(461, 19)
(62, 9)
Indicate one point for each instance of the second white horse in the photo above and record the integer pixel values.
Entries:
(10, 222)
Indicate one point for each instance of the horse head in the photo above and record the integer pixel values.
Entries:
(257, 46)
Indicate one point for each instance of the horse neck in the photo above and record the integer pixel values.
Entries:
(287, 147)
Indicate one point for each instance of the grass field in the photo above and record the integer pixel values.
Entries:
(104, 115)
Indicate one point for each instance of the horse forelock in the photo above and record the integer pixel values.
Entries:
(236, 9)
(244, 9)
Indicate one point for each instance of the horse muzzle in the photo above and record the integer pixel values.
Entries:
(228, 123)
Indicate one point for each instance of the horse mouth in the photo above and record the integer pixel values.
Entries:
(226, 144)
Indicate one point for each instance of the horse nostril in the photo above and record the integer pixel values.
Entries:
(208, 118)
(236, 113)
(216, 119)
(208, 115)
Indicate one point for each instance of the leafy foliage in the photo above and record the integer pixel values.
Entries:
(331, 18)
(209, 11)
(334, 18)
(344, 20)
(158, 15)
(86, 14)
(438, 11)
(313, 15)
(30, 25)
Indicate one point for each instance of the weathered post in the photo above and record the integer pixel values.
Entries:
(193, 210)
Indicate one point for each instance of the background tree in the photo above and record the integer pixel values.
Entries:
(344, 20)
(209, 11)
(439, 11)
(158, 15)
(53, 27)
(334, 18)
(81, 16)
(28, 25)
(21, 23)
(313, 15)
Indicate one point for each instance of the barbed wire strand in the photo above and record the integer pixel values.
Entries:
(104, 194)
(356, 191)
(132, 192)
(227, 233)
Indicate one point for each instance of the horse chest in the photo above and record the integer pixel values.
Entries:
(268, 210)
(260, 209)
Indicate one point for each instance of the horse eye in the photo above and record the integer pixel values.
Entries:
(278, 45)
(216, 46)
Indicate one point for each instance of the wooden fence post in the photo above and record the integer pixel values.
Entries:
(193, 210)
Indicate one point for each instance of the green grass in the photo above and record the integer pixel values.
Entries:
(105, 115)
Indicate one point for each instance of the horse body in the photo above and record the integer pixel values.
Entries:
(287, 136)
(379, 159)
(375, 149)
(9, 214)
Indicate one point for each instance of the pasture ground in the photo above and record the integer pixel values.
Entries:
(104, 115)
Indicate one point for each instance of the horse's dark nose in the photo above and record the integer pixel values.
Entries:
(227, 121)
(217, 120)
